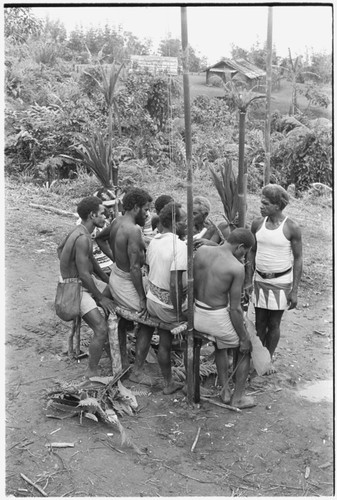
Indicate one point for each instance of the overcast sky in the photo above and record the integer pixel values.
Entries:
(211, 29)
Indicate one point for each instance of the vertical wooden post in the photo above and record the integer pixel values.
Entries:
(188, 143)
(269, 85)
(241, 173)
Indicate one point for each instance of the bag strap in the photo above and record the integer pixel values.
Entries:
(72, 248)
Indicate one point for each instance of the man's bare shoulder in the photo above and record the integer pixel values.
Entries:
(205, 252)
(256, 224)
(293, 228)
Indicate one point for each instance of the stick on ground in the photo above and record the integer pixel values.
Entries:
(222, 405)
(33, 484)
(196, 439)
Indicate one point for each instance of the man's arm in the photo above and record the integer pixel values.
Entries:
(176, 292)
(296, 247)
(250, 261)
(235, 310)
(83, 265)
(102, 240)
(135, 248)
(99, 271)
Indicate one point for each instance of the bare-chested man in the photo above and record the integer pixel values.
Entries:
(123, 242)
(218, 280)
(77, 260)
(277, 261)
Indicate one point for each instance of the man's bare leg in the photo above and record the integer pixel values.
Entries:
(273, 335)
(143, 342)
(122, 325)
(261, 323)
(98, 324)
(222, 366)
(164, 360)
(239, 399)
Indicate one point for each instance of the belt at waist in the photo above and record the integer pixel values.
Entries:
(202, 305)
(269, 276)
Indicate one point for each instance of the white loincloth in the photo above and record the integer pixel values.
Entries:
(216, 322)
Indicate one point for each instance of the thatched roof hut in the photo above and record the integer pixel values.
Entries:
(227, 69)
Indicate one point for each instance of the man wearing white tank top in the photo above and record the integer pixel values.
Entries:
(276, 261)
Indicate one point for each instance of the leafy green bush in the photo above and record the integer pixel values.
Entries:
(215, 81)
(304, 156)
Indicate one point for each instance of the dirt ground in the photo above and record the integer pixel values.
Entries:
(282, 447)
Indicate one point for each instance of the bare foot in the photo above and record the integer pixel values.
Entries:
(225, 395)
(172, 387)
(142, 378)
(91, 373)
(244, 402)
(270, 370)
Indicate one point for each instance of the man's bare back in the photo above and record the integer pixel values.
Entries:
(215, 269)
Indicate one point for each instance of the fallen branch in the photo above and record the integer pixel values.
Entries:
(34, 485)
(55, 210)
(196, 439)
(188, 477)
(222, 405)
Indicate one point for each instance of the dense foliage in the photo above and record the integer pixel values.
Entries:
(54, 110)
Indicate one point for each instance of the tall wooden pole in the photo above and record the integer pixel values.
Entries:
(269, 85)
(241, 170)
(188, 145)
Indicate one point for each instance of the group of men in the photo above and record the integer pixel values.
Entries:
(265, 260)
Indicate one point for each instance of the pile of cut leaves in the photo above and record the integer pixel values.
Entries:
(98, 399)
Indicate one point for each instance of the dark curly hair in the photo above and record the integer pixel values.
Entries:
(88, 205)
(136, 196)
(166, 215)
(241, 236)
(161, 201)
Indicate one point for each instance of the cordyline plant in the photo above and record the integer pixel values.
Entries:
(242, 99)
(97, 155)
(227, 187)
(108, 86)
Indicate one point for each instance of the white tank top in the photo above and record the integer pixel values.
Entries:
(274, 254)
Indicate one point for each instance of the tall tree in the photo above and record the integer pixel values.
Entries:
(20, 23)
(54, 30)
(170, 47)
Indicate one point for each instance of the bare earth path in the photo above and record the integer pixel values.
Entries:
(282, 447)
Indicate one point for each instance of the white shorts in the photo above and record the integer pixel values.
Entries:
(88, 303)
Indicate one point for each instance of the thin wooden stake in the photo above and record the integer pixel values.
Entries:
(34, 485)
(188, 144)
